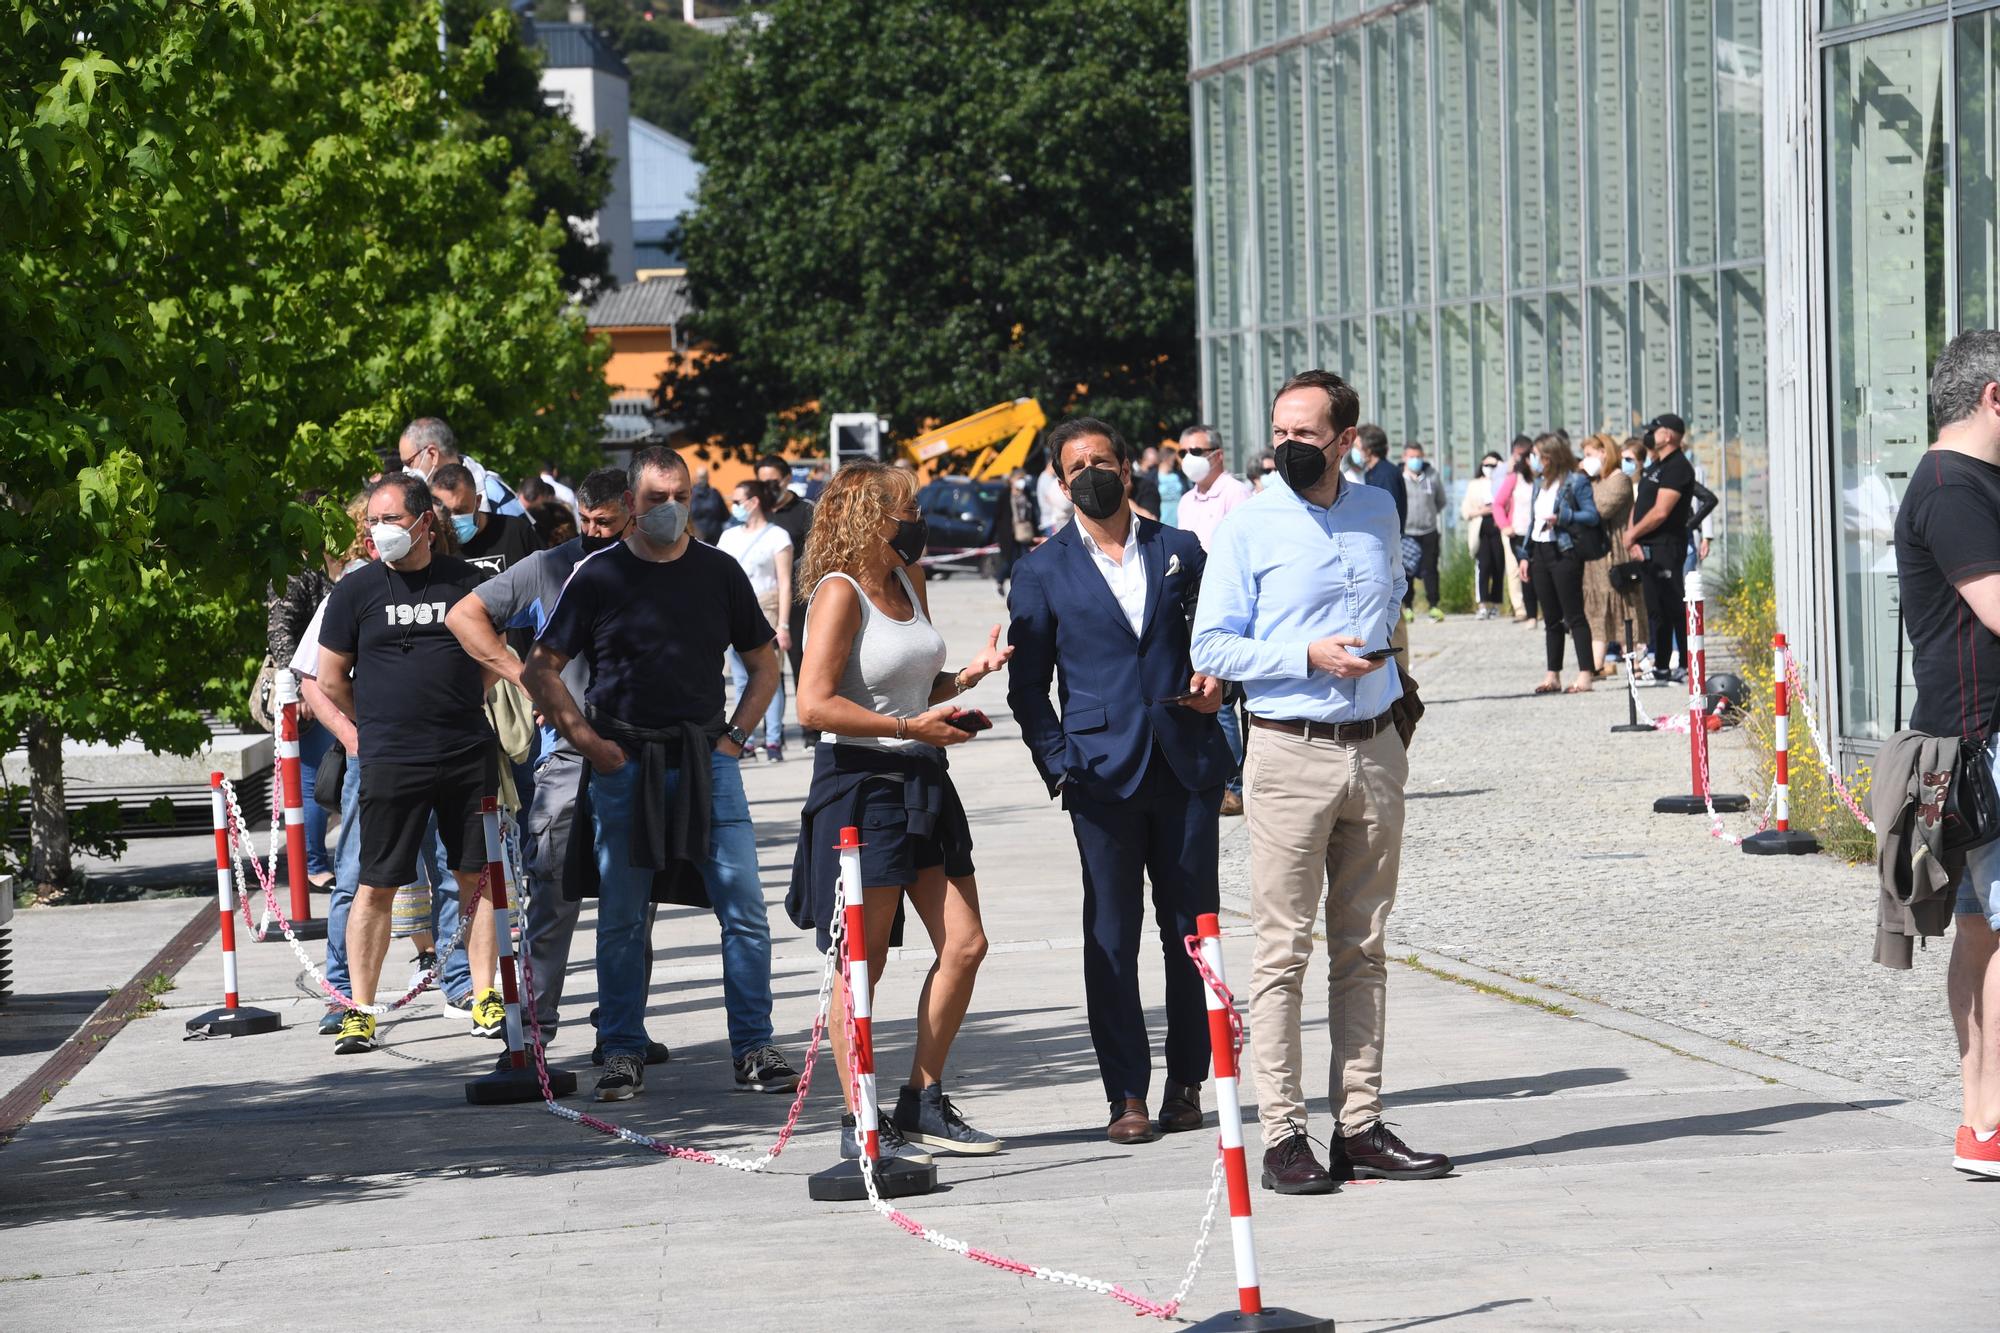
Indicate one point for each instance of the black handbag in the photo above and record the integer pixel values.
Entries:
(1972, 802)
(1627, 574)
(332, 776)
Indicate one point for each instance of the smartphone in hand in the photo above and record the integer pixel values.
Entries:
(970, 720)
(1377, 654)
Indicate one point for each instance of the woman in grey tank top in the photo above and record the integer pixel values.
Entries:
(873, 683)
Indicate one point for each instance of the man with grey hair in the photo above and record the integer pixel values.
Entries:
(427, 444)
(1211, 494)
(1948, 570)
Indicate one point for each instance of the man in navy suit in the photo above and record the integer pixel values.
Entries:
(1103, 608)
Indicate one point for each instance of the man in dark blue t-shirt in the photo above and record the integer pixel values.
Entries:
(651, 616)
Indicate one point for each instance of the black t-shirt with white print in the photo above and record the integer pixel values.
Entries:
(417, 693)
(1947, 531)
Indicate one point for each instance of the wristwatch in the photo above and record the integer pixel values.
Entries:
(740, 736)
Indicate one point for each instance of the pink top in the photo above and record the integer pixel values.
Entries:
(1203, 509)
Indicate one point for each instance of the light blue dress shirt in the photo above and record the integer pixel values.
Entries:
(1282, 573)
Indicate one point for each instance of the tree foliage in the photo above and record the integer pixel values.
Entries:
(240, 243)
(923, 209)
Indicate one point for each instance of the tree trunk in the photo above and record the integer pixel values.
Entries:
(49, 861)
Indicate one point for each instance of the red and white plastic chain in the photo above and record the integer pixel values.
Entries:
(239, 842)
(1802, 695)
(1715, 825)
(1675, 721)
(241, 852)
(647, 1141)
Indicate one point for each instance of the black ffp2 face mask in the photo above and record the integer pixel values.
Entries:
(1097, 492)
(911, 538)
(1301, 465)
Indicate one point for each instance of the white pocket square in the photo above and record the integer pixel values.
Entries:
(1173, 564)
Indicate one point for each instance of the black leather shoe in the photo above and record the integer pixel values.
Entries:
(1377, 1152)
(1180, 1108)
(1291, 1168)
(1130, 1123)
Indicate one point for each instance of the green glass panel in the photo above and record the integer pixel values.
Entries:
(1694, 124)
(1339, 159)
(1606, 136)
(1611, 355)
(1649, 74)
(1744, 468)
(1978, 150)
(1739, 99)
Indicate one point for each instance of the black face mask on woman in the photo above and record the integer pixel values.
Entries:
(1301, 465)
(912, 536)
(1097, 492)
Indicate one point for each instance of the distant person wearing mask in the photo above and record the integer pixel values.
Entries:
(493, 541)
(1482, 536)
(427, 444)
(765, 554)
(1370, 456)
(1266, 470)
(708, 512)
(1213, 493)
(1146, 483)
(1423, 521)
(794, 513)
(1052, 505)
(1171, 484)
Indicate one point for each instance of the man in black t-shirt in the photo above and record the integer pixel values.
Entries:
(493, 542)
(652, 616)
(1948, 573)
(388, 662)
(795, 516)
(1659, 536)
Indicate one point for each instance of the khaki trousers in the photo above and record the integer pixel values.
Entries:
(1326, 820)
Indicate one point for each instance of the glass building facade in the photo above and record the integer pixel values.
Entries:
(1493, 216)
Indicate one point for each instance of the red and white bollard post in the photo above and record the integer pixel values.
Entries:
(232, 1019)
(305, 925)
(894, 1177)
(1696, 658)
(1250, 1312)
(514, 1078)
(1781, 839)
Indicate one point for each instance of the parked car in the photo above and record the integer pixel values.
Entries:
(960, 514)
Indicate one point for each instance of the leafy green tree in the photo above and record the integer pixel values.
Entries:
(924, 209)
(240, 243)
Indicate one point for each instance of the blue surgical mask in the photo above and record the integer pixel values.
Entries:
(1630, 467)
(740, 512)
(1358, 457)
(1414, 464)
(1535, 464)
(466, 526)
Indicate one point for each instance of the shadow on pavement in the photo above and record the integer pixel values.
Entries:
(1529, 1085)
(1484, 1307)
(1726, 1124)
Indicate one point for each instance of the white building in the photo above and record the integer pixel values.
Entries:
(582, 72)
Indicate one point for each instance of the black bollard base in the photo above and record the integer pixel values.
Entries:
(1290, 1320)
(1633, 726)
(894, 1179)
(244, 1021)
(1780, 842)
(1692, 805)
(311, 928)
(511, 1087)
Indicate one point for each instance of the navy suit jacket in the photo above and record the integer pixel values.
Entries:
(1067, 626)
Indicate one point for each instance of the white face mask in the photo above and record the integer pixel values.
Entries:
(1593, 465)
(392, 541)
(1195, 468)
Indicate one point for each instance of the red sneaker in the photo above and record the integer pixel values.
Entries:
(1975, 1158)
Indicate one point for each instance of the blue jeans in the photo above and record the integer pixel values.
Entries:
(774, 713)
(313, 747)
(455, 978)
(625, 895)
(1232, 731)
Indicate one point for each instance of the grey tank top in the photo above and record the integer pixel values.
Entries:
(892, 666)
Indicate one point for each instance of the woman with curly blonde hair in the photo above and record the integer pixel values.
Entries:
(873, 681)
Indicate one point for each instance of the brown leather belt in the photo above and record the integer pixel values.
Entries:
(1348, 733)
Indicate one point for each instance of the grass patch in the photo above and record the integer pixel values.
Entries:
(1456, 575)
(1532, 1002)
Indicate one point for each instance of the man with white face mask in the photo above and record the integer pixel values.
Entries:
(388, 662)
(661, 787)
(1212, 494)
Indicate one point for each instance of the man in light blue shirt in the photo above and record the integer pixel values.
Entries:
(1303, 588)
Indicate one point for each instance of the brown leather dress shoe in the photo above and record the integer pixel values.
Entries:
(1232, 803)
(1377, 1152)
(1130, 1123)
(1291, 1168)
(1180, 1108)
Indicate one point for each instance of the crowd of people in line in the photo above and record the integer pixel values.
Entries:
(565, 649)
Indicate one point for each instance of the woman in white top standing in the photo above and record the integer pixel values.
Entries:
(872, 682)
(765, 551)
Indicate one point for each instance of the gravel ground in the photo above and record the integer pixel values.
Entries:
(1531, 849)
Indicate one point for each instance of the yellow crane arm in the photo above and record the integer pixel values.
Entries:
(980, 437)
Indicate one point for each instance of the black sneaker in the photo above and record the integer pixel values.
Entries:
(623, 1077)
(765, 1070)
(887, 1137)
(656, 1051)
(928, 1118)
(329, 1022)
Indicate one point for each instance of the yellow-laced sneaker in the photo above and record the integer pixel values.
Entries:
(489, 1015)
(357, 1034)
